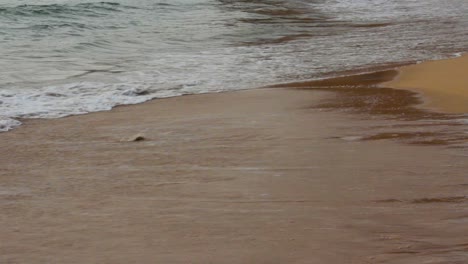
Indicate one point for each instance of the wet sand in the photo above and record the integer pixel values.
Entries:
(331, 174)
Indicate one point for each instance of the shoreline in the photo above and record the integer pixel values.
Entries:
(387, 76)
(428, 79)
(442, 83)
(324, 175)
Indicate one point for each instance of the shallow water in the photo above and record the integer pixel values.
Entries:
(64, 57)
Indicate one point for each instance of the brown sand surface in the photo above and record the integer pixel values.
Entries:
(443, 82)
(260, 176)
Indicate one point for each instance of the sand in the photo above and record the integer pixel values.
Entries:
(444, 83)
(279, 175)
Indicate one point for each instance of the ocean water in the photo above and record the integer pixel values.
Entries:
(67, 57)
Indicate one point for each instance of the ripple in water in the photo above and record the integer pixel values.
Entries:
(70, 57)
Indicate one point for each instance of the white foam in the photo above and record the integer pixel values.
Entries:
(168, 59)
(76, 98)
(7, 124)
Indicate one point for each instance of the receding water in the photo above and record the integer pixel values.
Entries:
(64, 57)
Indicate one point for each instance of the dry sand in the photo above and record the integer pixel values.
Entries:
(320, 176)
(444, 83)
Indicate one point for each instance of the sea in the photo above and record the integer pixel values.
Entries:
(70, 57)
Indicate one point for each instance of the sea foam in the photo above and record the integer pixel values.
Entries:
(61, 58)
(7, 124)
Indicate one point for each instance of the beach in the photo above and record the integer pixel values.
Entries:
(336, 171)
(443, 82)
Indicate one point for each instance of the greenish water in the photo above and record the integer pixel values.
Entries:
(60, 57)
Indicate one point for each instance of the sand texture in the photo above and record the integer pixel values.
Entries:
(444, 83)
(325, 175)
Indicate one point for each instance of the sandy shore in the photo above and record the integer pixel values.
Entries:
(325, 175)
(444, 83)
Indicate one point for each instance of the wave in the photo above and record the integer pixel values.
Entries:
(60, 10)
(7, 124)
(71, 58)
(77, 98)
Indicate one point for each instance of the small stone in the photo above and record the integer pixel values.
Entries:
(136, 138)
